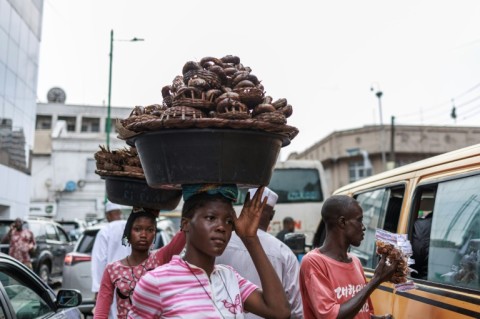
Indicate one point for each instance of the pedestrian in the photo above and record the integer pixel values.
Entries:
(22, 242)
(421, 245)
(288, 227)
(332, 282)
(121, 276)
(108, 248)
(281, 257)
(192, 286)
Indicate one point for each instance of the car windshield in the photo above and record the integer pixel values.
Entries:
(68, 226)
(36, 229)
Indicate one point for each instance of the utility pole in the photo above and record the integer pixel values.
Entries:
(379, 95)
(392, 141)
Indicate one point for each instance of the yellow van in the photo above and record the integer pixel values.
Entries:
(442, 195)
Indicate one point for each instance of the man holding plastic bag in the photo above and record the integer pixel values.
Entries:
(332, 282)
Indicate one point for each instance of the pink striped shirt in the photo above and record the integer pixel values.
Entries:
(172, 291)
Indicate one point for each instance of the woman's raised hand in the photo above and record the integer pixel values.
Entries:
(246, 224)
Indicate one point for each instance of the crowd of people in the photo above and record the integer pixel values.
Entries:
(220, 265)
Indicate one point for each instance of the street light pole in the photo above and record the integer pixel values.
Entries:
(108, 126)
(379, 93)
(109, 106)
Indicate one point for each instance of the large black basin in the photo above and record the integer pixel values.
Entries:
(187, 156)
(136, 192)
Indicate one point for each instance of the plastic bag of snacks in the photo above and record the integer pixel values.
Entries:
(396, 247)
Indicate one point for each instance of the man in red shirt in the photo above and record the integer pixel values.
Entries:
(332, 282)
(22, 242)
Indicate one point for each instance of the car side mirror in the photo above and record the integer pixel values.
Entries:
(68, 298)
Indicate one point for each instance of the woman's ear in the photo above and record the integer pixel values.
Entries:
(184, 224)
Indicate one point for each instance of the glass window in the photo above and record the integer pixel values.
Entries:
(12, 59)
(373, 204)
(5, 10)
(44, 122)
(37, 230)
(70, 122)
(62, 235)
(25, 301)
(3, 71)
(455, 234)
(10, 86)
(293, 185)
(357, 171)
(86, 242)
(91, 167)
(90, 124)
(15, 22)
(51, 232)
(3, 47)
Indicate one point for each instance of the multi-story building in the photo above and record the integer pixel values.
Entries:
(350, 155)
(20, 34)
(65, 185)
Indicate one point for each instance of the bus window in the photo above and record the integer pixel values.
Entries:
(300, 186)
(455, 234)
(381, 209)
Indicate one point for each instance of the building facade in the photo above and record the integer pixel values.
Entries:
(20, 35)
(65, 185)
(353, 154)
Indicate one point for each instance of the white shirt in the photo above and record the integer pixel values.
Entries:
(283, 260)
(108, 248)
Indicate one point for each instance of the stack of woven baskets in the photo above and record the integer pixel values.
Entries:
(122, 163)
(213, 93)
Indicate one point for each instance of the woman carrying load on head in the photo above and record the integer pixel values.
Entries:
(120, 277)
(192, 286)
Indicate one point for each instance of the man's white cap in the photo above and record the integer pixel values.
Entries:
(109, 206)
(267, 192)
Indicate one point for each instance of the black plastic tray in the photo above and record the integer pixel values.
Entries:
(189, 156)
(136, 192)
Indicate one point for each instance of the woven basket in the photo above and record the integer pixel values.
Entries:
(212, 79)
(201, 104)
(182, 112)
(250, 96)
(149, 125)
(272, 117)
(234, 115)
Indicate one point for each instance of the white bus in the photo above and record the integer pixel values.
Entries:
(301, 189)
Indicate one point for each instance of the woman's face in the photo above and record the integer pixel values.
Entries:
(143, 233)
(210, 228)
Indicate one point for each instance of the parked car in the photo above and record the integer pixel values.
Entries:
(74, 228)
(77, 272)
(53, 243)
(23, 295)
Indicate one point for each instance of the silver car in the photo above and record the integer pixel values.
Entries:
(23, 295)
(77, 272)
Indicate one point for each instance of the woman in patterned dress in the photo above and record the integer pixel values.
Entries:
(120, 277)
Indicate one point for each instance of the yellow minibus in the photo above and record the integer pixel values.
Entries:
(436, 202)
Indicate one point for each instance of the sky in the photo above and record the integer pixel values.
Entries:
(324, 57)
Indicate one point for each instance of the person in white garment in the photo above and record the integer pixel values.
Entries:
(108, 248)
(283, 260)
